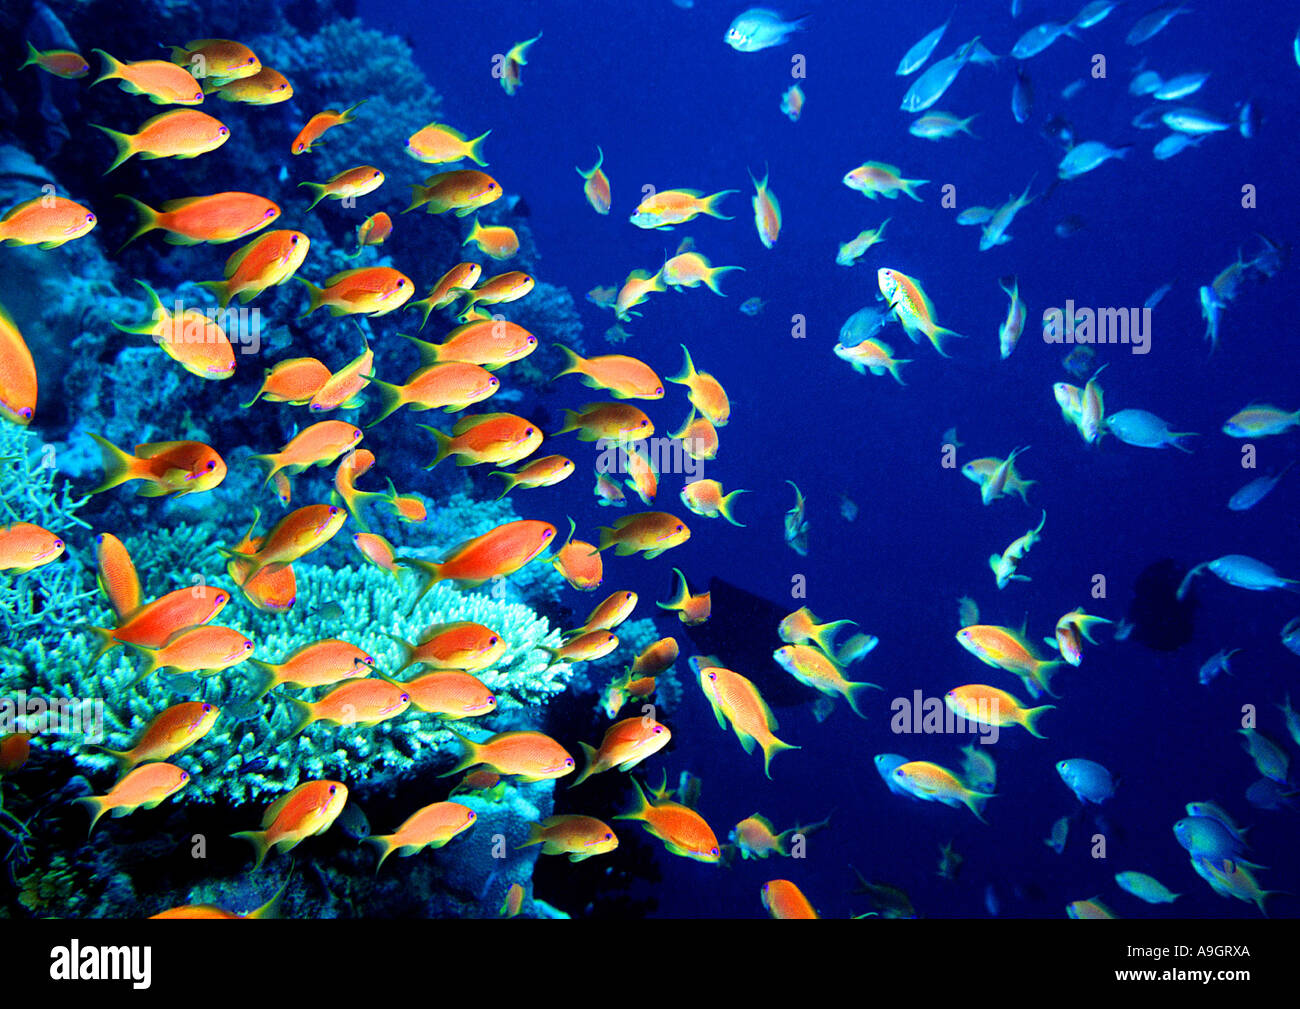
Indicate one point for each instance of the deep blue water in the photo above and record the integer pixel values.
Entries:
(672, 106)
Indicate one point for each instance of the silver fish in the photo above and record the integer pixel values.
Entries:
(1242, 572)
(1084, 157)
(919, 53)
(1187, 120)
(1180, 87)
(1144, 82)
(1022, 96)
(1157, 295)
(1176, 143)
(760, 28)
(1214, 665)
(1094, 13)
(975, 215)
(1149, 118)
(1255, 491)
(932, 84)
(1153, 22)
(1038, 38)
(1291, 635)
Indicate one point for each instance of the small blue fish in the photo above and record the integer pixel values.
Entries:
(1214, 665)
(1255, 491)
(760, 28)
(1022, 96)
(885, 765)
(1152, 22)
(1291, 635)
(1266, 794)
(1087, 779)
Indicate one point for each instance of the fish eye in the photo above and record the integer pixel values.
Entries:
(532, 340)
(401, 283)
(333, 789)
(472, 815)
(221, 597)
(293, 240)
(222, 131)
(659, 390)
(377, 173)
(528, 432)
(212, 464)
(356, 432)
(185, 775)
(26, 412)
(713, 676)
(713, 850)
(90, 218)
(405, 697)
(58, 544)
(280, 87)
(679, 528)
(270, 212)
(568, 761)
(608, 836)
(493, 382)
(492, 185)
(206, 708)
(493, 640)
(548, 533)
(658, 729)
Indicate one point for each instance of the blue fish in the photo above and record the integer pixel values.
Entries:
(760, 28)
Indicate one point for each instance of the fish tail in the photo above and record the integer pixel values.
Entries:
(854, 692)
(419, 197)
(429, 352)
(270, 462)
(148, 219)
(975, 803)
(123, 757)
(475, 230)
(1042, 675)
(97, 806)
(152, 664)
(257, 838)
(909, 185)
(383, 844)
(725, 505)
(572, 362)
(265, 678)
(474, 150)
(431, 572)
(107, 641)
(640, 804)
(471, 757)
(347, 115)
(408, 650)
(688, 370)
(936, 335)
(390, 398)
(1087, 620)
(600, 160)
(221, 290)
(710, 204)
(315, 296)
(112, 68)
(117, 465)
(771, 747)
(572, 422)
(679, 597)
(157, 312)
(426, 309)
(893, 369)
(509, 478)
(303, 713)
(124, 142)
(823, 635)
(711, 278)
(316, 187)
(33, 56)
(589, 752)
(444, 445)
(1176, 435)
(536, 834)
(1031, 717)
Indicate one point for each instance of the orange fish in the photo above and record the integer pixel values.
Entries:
(59, 62)
(579, 563)
(608, 421)
(168, 467)
(161, 82)
(642, 478)
(367, 290)
(736, 700)
(319, 664)
(596, 184)
(656, 657)
(608, 492)
(491, 343)
(407, 507)
(497, 241)
(461, 644)
(498, 552)
(462, 276)
(180, 133)
(318, 124)
(683, 831)
(622, 688)
(625, 745)
(510, 74)
(588, 646)
(296, 535)
(190, 338)
(266, 87)
(801, 626)
(353, 465)
(612, 611)
(15, 748)
(346, 185)
(24, 546)
(532, 756)
(498, 290)
(47, 221)
(648, 532)
(689, 268)
(18, 384)
(153, 624)
(450, 694)
(202, 650)
(691, 610)
(318, 445)
(705, 497)
(501, 439)
(171, 731)
(636, 290)
(146, 786)
(306, 811)
(579, 837)
(267, 261)
(767, 212)
(117, 576)
(513, 902)
(670, 207)
(699, 437)
(462, 190)
(269, 591)
(451, 387)
(356, 702)
(704, 391)
(204, 912)
(293, 381)
(544, 472)
(625, 377)
(437, 144)
(377, 550)
(374, 230)
(219, 218)
(343, 387)
(783, 899)
(430, 827)
(217, 60)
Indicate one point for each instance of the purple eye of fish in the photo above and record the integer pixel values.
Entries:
(568, 762)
